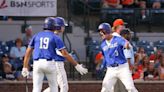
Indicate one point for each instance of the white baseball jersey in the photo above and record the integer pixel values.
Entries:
(129, 53)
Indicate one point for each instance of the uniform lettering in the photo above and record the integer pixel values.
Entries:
(44, 42)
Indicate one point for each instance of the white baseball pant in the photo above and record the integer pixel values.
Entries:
(61, 78)
(48, 68)
(123, 73)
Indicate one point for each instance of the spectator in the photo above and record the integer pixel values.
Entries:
(143, 5)
(118, 25)
(111, 4)
(139, 68)
(137, 72)
(151, 73)
(140, 54)
(19, 50)
(161, 68)
(128, 3)
(156, 4)
(28, 35)
(98, 62)
(144, 63)
(158, 56)
(7, 68)
(17, 53)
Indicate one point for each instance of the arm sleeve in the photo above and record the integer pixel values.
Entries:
(127, 53)
(32, 41)
(59, 44)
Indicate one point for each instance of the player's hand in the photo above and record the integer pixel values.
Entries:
(81, 69)
(25, 72)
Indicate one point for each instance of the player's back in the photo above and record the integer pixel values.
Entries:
(45, 45)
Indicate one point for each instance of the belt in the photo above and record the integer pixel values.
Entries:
(45, 59)
(114, 65)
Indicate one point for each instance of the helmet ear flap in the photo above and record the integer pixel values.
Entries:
(60, 22)
(57, 27)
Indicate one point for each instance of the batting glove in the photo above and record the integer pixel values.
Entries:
(25, 72)
(81, 69)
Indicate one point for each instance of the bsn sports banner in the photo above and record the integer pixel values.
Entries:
(28, 7)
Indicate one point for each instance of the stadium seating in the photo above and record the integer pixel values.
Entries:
(10, 43)
(135, 49)
(5, 49)
(149, 50)
(157, 16)
(159, 44)
(91, 45)
(142, 43)
(109, 15)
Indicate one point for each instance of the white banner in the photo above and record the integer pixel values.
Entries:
(28, 7)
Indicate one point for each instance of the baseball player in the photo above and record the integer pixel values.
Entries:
(129, 53)
(43, 46)
(118, 25)
(61, 73)
(116, 63)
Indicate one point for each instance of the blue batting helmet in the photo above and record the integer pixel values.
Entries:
(106, 27)
(49, 23)
(60, 22)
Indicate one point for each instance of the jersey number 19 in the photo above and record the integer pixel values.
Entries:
(44, 42)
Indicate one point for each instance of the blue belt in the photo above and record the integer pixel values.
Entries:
(114, 65)
(43, 58)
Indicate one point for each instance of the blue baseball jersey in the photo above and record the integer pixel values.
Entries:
(45, 44)
(113, 51)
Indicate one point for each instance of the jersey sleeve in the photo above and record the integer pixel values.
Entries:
(32, 41)
(122, 41)
(59, 44)
(127, 53)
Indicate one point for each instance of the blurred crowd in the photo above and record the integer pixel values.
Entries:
(148, 67)
(139, 4)
(133, 4)
(12, 54)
